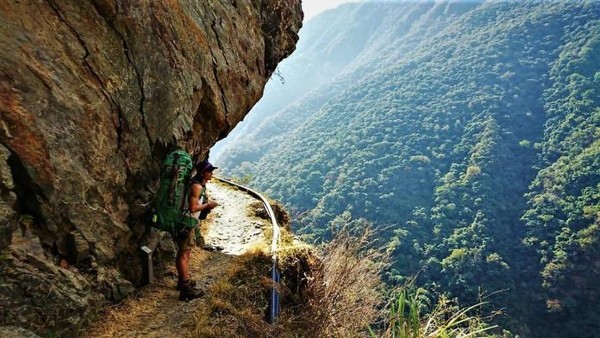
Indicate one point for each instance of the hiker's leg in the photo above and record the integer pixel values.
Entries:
(185, 265)
(182, 264)
(184, 252)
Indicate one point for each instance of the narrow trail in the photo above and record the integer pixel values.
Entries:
(231, 229)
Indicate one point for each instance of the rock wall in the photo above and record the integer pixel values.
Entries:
(93, 93)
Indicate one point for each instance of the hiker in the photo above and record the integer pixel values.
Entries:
(199, 207)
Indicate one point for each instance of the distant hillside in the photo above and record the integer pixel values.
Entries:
(468, 132)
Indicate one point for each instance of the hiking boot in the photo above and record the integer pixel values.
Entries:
(189, 292)
(180, 284)
(210, 247)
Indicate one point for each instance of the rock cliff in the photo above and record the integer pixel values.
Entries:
(93, 93)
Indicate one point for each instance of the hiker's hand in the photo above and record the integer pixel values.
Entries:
(212, 204)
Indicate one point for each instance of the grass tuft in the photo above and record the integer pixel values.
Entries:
(406, 318)
(339, 294)
(236, 303)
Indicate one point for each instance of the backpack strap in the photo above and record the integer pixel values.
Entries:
(203, 196)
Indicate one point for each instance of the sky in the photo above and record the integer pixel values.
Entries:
(313, 7)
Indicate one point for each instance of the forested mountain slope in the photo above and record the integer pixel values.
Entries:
(468, 132)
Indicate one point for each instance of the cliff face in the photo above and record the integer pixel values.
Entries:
(92, 95)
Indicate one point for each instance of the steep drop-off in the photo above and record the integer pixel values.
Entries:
(467, 132)
(92, 94)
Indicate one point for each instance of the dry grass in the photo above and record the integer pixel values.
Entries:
(348, 288)
(156, 311)
(333, 294)
(236, 303)
(405, 318)
(133, 312)
(257, 209)
(338, 295)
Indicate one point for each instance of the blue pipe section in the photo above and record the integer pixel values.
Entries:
(274, 302)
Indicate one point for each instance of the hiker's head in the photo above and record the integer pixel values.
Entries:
(205, 169)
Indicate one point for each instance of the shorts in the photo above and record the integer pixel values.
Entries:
(186, 240)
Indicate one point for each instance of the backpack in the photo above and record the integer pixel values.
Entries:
(170, 203)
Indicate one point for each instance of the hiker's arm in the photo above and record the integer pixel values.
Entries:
(210, 203)
(195, 198)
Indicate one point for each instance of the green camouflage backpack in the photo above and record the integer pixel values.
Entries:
(170, 204)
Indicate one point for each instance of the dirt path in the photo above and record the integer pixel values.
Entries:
(156, 312)
(233, 230)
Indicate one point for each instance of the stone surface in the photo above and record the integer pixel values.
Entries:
(16, 332)
(231, 228)
(93, 93)
(47, 298)
(8, 198)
